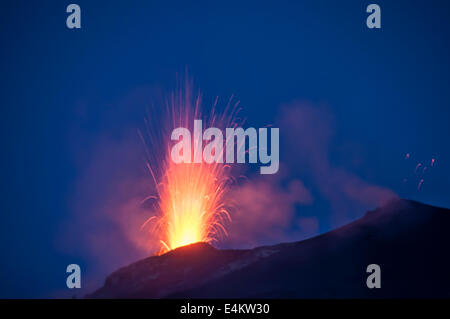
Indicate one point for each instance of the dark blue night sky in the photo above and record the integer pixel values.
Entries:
(63, 90)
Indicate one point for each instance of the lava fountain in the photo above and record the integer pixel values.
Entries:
(190, 199)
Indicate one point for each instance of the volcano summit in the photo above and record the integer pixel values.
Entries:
(407, 239)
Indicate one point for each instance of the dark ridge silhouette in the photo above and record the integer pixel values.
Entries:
(407, 239)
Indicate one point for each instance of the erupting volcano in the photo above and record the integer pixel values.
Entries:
(190, 197)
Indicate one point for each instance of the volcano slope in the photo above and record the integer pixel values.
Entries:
(408, 240)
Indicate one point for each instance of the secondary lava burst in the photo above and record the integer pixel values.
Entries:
(190, 199)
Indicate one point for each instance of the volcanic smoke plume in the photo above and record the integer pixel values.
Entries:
(309, 137)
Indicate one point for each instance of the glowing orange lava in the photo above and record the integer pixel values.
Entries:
(191, 201)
